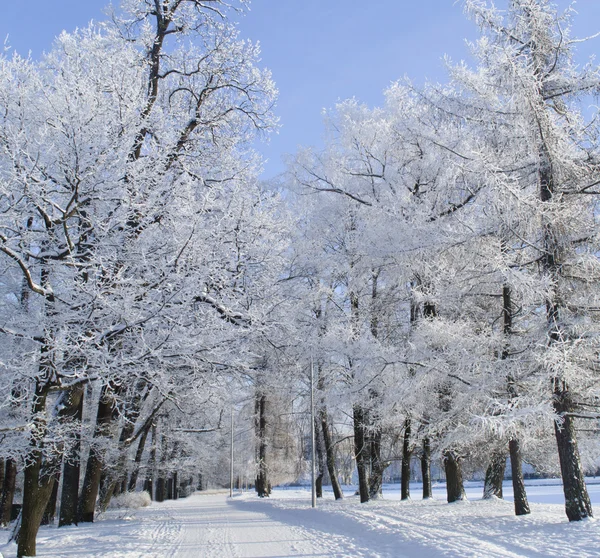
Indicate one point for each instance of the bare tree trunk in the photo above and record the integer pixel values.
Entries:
(406, 457)
(71, 465)
(38, 480)
(361, 451)
(520, 496)
(320, 460)
(377, 466)
(426, 469)
(263, 487)
(330, 454)
(577, 500)
(149, 482)
(161, 481)
(494, 476)
(8, 491)
(50, 512)
(95, 463)
(454, 481)
(138, 459)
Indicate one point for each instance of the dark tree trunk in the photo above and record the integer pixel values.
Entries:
(95, 463)
(330, 455)
(161, 488)
(263, 487)
(161, 481)
(38, 480)
(50, 511)
(577, 500)
(361, 452)
(2, 475)
(175, 486)
(71, 466)
(149, 482)
(8, 491)
(494, 476)
(426, 469)
(454, 481)
(520, 496)
(406, 457)
(170, 484)
(377, 464)
(320, 459)
(138, 460)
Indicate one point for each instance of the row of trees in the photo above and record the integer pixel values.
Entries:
(449, 262)
(439, 272)
(138, 252)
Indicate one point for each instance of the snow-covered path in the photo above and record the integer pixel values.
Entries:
(216, 527)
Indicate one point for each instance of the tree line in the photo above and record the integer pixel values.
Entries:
(436, 263)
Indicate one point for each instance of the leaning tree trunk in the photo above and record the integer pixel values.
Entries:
(95, 464)
(361, 451)
(426, 469)
(520, 496)
(8, 491)
(138, 459)
(454, 481)
(406, 456)
(330, 455)
(494, 475)
(577, 501)
(50, 512)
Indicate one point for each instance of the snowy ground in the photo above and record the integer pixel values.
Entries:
(212, 525)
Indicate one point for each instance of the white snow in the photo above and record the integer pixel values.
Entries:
(211, 525)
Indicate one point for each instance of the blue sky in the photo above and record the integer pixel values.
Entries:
(320, 51)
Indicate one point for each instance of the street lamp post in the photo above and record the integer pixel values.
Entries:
(312, 430)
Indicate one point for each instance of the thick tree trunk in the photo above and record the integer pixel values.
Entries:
(71, 466)
(426, 469)
(8, 491)
(577, 500)
(454, 481)
(406, 457)
(361, 451)
(330, 455)
(95, 463)
(377, 466)
(494, 476)
(38, 480)
(520, 496)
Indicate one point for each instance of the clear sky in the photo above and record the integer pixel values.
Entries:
(319, 51)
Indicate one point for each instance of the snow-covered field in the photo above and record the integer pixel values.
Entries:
(212, 525)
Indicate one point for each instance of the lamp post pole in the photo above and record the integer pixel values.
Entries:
(312, 430)
(231, 459)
